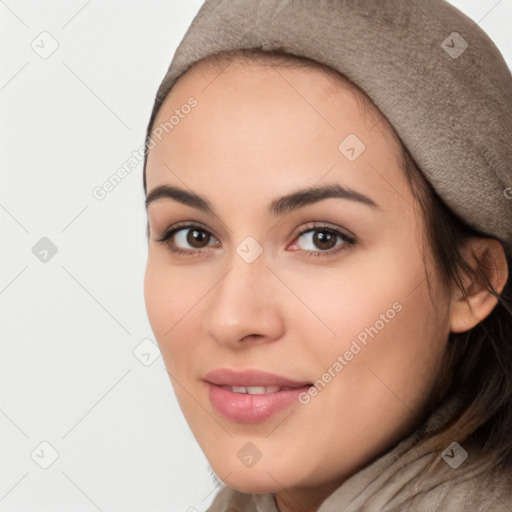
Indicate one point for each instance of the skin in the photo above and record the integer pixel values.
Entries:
(258, 134)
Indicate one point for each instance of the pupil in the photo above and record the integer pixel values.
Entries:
(196, 236)
(322, 237)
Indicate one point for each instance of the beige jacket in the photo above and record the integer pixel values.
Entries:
(401, 481)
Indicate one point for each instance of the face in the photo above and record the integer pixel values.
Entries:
(308, 266)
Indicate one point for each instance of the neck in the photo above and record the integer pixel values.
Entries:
(304, 499)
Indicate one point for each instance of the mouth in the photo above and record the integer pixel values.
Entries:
(251, 396)
(251, 378)
(255, 390)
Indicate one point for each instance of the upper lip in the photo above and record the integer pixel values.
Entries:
(249, 377)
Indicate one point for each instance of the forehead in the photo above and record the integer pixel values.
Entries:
(274, 125)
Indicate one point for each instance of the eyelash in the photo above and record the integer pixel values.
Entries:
(348, 241)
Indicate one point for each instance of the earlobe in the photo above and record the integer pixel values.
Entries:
(466, 312)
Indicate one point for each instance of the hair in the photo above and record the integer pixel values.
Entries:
(477, 363)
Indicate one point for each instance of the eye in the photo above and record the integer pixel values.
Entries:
(319, 239)
(189, 239)
(323, 240)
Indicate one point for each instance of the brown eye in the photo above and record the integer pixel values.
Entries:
(320, 238)
(191, 238)
(197, 238)
(187, 239)
(323, 241)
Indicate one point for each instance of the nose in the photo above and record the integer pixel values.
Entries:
(244, 306)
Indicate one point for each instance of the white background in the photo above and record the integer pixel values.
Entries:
(68, 374)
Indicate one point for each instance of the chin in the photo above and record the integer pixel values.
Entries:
(258, 479)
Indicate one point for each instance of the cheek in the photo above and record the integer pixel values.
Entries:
(379, 316)
(339, 305)
(172, 301)
(392, 350)
(174, 297)
(155, 291)
(166, 297)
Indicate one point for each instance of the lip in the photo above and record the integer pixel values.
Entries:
(250, 377)
(248, 408)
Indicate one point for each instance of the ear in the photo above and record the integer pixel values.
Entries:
(465, 313)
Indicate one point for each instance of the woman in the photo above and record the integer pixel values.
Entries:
(330, 236)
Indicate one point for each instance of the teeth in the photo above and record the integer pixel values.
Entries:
(253, 390)
(272, 389)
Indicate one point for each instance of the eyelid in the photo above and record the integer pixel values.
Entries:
(318, 225)
(179, 226)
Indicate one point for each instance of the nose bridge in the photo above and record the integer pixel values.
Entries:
(242, 304)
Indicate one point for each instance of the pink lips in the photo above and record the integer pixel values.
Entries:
(251, 408)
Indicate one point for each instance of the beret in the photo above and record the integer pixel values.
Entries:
(432, 71)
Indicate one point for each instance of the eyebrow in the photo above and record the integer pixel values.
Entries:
(280, 206)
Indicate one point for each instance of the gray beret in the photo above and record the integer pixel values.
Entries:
(432, 71)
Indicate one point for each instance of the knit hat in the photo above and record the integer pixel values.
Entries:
(432, 71)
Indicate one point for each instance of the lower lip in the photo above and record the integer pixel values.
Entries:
(247, 408)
